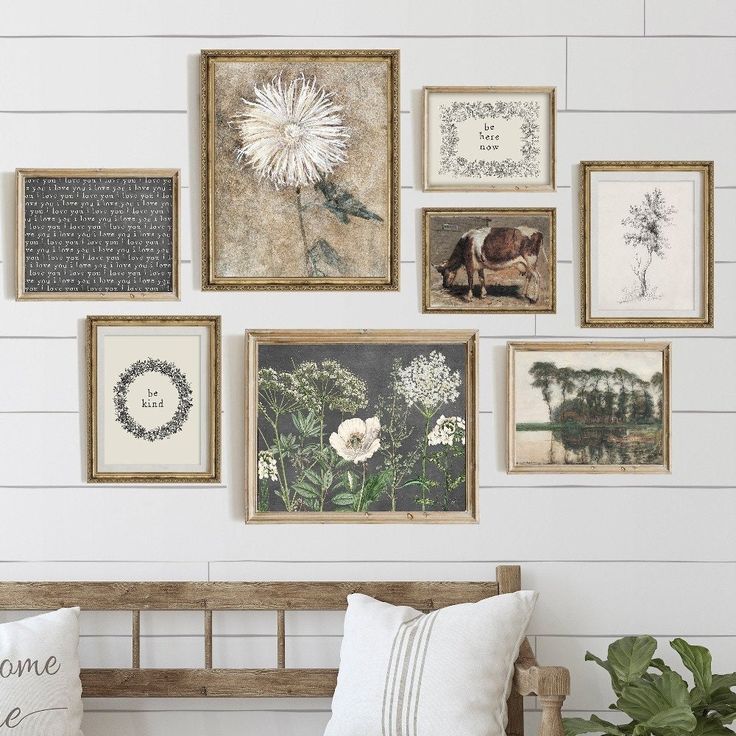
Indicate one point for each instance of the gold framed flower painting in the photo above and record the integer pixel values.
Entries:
(361, 426)
(300, 169)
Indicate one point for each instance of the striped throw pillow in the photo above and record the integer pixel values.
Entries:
(406, 673)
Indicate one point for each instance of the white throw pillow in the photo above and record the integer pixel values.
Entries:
(40, 690)
(446, 673)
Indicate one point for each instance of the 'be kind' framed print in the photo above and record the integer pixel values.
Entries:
(489, 138)
(153, 399)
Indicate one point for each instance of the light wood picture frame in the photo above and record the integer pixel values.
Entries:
(98, 234)
(511, 251)
(384, 421)
(489, 139)
(588, 407)
(647, 255)
(275, 222)
(153, 399)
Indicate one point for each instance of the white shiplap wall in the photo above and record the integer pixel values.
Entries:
(90, 83)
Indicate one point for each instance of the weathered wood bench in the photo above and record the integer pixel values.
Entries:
(549, 684)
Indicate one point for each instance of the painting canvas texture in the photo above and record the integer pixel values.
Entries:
(489, 261)
(588, 407)
(361, 427)
(302, 169)
(647, 244)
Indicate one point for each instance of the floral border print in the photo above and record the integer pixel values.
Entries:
(511, 129)
(361, 426)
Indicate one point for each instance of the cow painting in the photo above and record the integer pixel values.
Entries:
(496, 249)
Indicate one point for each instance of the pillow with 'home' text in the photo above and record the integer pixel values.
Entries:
(445, 673)
(40, 690)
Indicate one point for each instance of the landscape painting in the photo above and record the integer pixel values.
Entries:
(300, 174)
(361, 426)
(648, 244)
(589, 407)
(489, 260)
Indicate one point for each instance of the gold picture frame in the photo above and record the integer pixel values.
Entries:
(612, 422)
(334, 346)
(465, 170)
(387, 254)
(444, 299)
(23, 294)
(592, 315)
(205, 397)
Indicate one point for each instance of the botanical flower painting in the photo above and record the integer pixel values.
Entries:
(303, 172)
(362, 428)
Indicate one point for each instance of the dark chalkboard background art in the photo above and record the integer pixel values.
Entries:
(98, 234)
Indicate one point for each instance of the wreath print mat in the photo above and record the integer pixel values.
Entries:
(528, 166)
(122, 388)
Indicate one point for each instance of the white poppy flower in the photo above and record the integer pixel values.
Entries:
(447, 431)
(357, 440)
(291, 135)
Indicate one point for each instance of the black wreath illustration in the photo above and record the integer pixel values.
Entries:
(120, 397)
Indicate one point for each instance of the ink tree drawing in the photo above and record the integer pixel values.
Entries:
(293, 136)
(325, 444)
(646, 224)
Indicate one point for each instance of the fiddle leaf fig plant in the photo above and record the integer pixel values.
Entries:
(656, 699)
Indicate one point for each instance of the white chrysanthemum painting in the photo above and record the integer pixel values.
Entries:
(292, 134)
(301, 169)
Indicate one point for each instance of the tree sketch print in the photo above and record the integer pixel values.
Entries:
(325, 445)
(597, 416)
(646, 223)
(294, 136)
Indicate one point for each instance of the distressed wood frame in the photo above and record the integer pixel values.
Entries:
(212, 282)
(214, 450)
(122, 296)
(663, 347)
(550, 684)
(429, 212)
(706, 319)
(254, 338)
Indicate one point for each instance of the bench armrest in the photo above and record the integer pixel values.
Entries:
(549, 684)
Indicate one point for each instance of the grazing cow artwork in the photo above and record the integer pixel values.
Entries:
(510, 254)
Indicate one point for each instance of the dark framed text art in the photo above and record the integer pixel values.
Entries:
(647, 244)
(374, 426)
(588, 407)
(489, 138)
(489, 260)
(97, 234)
(300, 174)
(153, 399)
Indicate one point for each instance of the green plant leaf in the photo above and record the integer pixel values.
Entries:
(698, 660)
(643, 699)
(629, 658)
(305, 490)
(313, 477)
(721, 681)
(576, 726)
(590, 657)
(723, 701)
(660, 665)
(343, 499)
(677, 719)
(709, 726)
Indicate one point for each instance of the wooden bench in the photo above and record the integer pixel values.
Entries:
(549, 684)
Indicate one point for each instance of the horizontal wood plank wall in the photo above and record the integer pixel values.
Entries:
(116, 85)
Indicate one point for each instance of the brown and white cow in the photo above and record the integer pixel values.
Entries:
(495, 248)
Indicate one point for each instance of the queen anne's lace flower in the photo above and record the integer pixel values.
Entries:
(428, 382)
(357, 440)
(267, 466)
(292, 135)
(447, 431)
